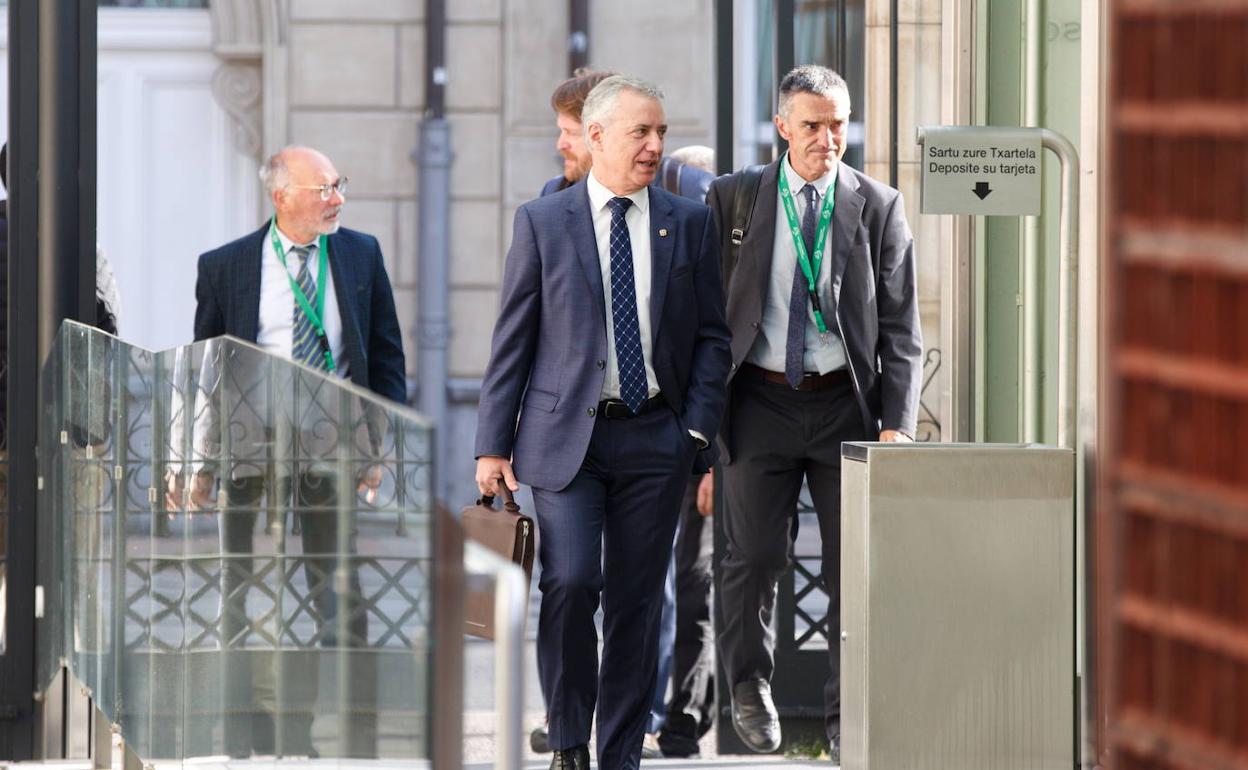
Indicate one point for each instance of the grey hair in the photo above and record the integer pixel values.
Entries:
(601, 101)
(273, 174)
(810, 79)
(696, 155)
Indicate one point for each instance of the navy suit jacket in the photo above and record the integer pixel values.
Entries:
(228, 295)
(549, 350)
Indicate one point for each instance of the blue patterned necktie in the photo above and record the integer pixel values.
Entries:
(305, 346)
(795, 342)
(628, 357)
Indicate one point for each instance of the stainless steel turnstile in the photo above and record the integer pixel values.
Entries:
(958, 607)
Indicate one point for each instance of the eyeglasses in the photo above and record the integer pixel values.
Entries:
(327, 190)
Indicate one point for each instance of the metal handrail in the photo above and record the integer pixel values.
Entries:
(510, 604)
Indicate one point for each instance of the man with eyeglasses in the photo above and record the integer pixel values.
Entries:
(247, 288)
(306, 289)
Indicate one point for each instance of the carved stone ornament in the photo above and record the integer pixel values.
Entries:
(237, 88)
(239, 31)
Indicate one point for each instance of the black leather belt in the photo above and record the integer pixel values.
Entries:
(614, 409)
(810, 381)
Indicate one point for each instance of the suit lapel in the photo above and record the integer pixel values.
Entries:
(846, 220)
(248, 296)
(342, 268)
(581, 227)
(662, 236)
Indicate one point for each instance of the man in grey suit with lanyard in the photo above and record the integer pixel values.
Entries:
(826, 345)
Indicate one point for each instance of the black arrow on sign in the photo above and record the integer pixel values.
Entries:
(982, 190)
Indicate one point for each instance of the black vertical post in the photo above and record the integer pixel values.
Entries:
(66, 166)
(578, 34)
(893, 57)
(723, 87)
(784, 54)
(52, 73)
(17, 680)
(435, 59)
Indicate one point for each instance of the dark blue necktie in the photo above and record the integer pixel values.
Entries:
(628, 357)
(795, 341)
(306, 344)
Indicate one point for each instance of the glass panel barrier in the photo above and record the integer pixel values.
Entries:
(240, 557)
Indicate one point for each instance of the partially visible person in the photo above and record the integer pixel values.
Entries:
(823, 305)
(604, 389)
(690, 647)
(87, 485)
(568, 101)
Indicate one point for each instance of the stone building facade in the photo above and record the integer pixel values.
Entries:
(349, 78)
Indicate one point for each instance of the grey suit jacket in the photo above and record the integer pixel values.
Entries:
(873, 282)
(549, 350)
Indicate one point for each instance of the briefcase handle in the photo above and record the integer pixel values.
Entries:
(509, 501)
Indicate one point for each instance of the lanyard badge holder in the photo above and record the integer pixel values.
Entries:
(315, 315)
(810, 268)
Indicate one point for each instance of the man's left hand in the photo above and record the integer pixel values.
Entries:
(894, 435)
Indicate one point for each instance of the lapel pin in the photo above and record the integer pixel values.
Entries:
(662, 232)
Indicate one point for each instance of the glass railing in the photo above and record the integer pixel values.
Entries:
(241, 557)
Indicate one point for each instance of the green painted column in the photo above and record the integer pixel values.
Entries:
(1002, 47)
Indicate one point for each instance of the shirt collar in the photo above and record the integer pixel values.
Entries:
(599, 195)
(288, 244)
(796, 183)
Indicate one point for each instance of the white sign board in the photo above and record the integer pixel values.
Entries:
(980, 170)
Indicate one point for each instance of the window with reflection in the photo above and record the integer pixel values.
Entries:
(827, 32)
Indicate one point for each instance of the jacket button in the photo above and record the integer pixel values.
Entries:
(591, 411)
(601, 363)
(755, 324)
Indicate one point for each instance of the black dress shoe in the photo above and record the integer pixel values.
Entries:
(754, 715)
(571, 759)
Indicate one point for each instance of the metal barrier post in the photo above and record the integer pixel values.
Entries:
(510, 598)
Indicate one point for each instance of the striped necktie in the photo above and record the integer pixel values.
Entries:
(305, 346)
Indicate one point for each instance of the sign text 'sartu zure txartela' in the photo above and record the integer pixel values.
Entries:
(981, 170)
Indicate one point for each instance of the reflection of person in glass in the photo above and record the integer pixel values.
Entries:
(305, 289)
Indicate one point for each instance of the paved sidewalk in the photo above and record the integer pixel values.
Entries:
(766, 763)
(480, 722)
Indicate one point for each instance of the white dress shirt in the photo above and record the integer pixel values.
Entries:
(824, 352)
(638, 220)
(277, 300)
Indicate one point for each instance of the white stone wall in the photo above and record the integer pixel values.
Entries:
(356, 90)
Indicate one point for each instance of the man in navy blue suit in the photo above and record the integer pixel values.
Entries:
(236, 295)
(604, 392)
(303, 288)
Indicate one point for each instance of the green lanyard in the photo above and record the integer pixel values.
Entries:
(314, 314)
(810, 268)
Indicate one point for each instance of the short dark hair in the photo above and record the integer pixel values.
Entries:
(569, 96)
(809, 79)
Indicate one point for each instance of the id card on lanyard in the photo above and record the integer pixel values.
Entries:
(809, 264)
(315, 315)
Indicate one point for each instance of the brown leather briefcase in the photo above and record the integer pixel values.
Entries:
(508, 533)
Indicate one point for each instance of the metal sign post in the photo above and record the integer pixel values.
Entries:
(987, 170)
